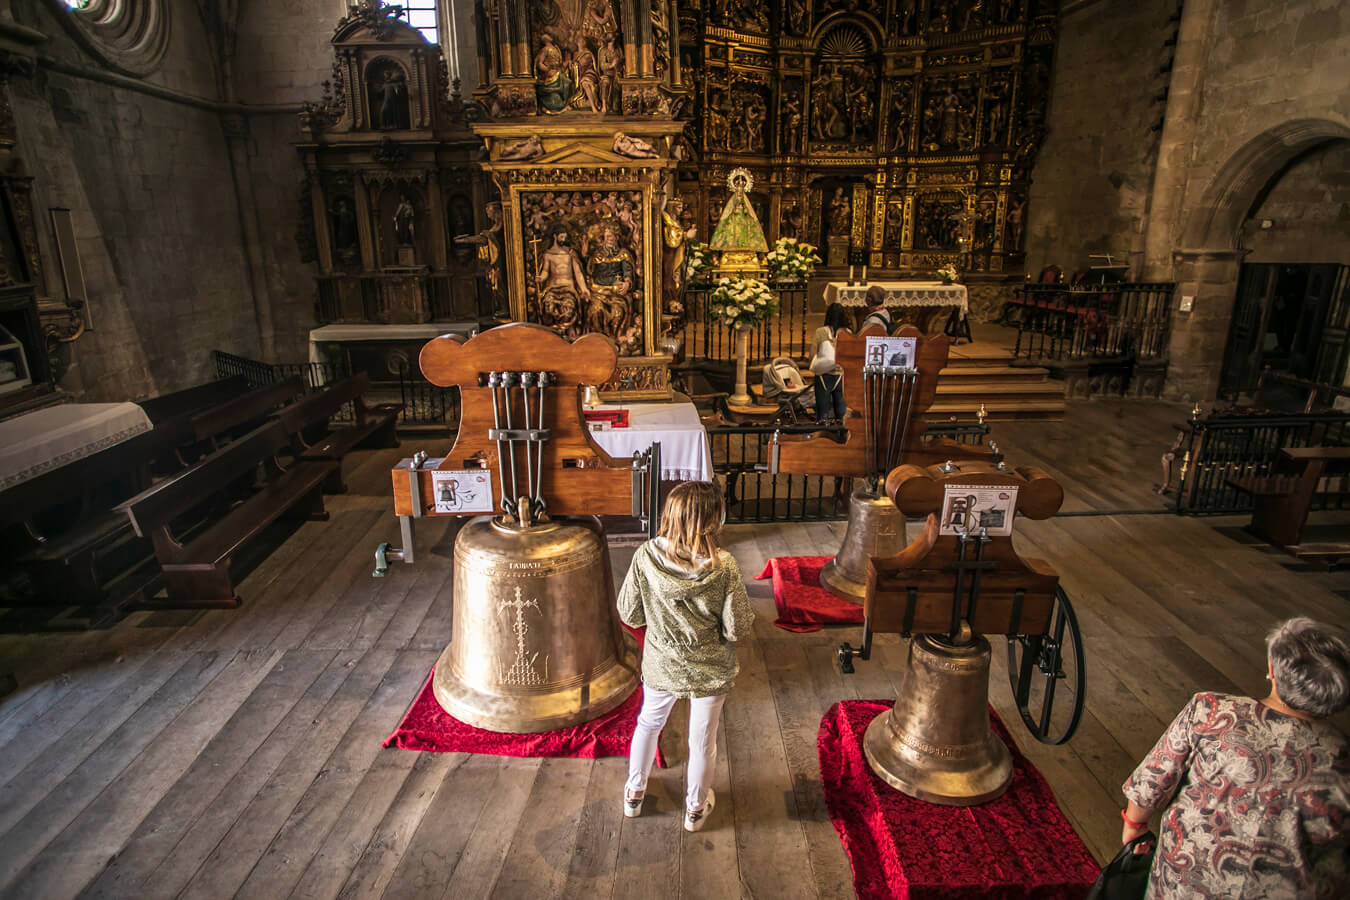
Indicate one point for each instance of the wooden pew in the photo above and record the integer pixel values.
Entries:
(196, 567)
(190, 401)
(1281, 502)
(372, 426)
(244, 412)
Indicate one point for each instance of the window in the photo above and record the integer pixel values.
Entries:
(420, 14)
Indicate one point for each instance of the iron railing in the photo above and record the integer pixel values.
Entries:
(1236, 444)
(426, 404)
(740, 453)
(258, 374)
(784, 335)
(1092, 322)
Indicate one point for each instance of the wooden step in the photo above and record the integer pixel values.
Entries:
(998, 410)
(991, 375)
(1050, 389)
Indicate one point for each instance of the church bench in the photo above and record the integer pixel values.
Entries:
(371, 426)
(96, 562)
(196, 563)
(245, 411)
(190, 401)
(1281, 503)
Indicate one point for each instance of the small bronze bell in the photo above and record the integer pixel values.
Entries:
(875, 528)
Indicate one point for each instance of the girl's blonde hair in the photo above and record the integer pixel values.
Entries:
(692, 518)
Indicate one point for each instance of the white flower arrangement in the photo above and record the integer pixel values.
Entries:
(791, 260)
(948, 274)
(699, 260)
(742, 303)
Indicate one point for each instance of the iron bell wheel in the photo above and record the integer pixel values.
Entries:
(1042, 668)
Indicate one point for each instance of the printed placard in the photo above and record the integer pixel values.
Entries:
(463, 490)
(892, 352)
(969, 508)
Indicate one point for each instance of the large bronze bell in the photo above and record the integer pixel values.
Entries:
(536, 642)
(875, 528)
(936, 743)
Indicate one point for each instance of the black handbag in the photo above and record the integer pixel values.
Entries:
(1126, 876)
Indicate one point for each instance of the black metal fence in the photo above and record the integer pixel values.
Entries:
(1085, 322)
(1227, 446)
(784, 335)
(740, 453)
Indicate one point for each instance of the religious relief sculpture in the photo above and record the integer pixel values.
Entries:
(388, 95)
(898, 125)
(489, 246)
(552, 78)
(752, 15)
(798, 16)
(523, 150)
(842, 103)
(677, 230)
(939, 223)
(633, 148)
(598, 20)
(906, 17)
(793, 224)
(346, 242)
(996, 96)
(1016, 207)
(949, 118)
(405, 221)
(841, 214)
(790, 132)
(611, 70)
(585, 77)
(984, 223)
(585, 253)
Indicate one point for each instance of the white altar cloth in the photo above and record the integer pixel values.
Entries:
(901, 293)
(685, 452)
(47, 439)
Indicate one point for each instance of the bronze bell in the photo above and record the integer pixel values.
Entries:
(875, 528)
(936, 743)
(536, 643)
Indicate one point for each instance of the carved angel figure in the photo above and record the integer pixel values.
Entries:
(633, 148)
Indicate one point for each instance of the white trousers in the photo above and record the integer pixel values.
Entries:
(704, 714)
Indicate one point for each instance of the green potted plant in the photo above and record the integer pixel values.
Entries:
(742, 303)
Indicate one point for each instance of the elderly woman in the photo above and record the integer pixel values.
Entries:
(1262, 787)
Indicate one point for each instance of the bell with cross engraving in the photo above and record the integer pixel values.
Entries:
(536, 643)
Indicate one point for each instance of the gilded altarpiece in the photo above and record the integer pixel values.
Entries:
(578, 102)
(903, 131)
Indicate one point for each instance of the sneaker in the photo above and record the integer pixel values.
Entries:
(632, 806)
(694, 821)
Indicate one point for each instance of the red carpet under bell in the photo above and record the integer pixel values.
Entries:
(428, 727)
(1019, 845)
(803, 605)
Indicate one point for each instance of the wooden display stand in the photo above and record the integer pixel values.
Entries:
(822, 454)
(594, 483)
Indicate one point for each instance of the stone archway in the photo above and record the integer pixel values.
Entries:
(1207, 258)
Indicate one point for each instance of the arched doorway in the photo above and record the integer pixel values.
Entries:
(1208, 261)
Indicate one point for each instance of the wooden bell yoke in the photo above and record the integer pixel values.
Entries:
(521, 424)
(853, 456)
(997, 593)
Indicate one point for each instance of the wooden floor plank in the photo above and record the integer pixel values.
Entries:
(480, 865)
(86, 842)
(390, 839)
(309, 823)
(540, 855)
(225, 868)
(216, 766)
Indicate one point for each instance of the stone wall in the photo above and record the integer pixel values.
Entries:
(149, 186)
(1308, 210)
(1091, 183)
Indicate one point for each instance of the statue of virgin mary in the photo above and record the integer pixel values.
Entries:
(738, 234)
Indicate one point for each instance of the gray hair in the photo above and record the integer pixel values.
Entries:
(1311, 666)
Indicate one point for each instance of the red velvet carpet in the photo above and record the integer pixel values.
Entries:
(428, 727)
(1019, 845)
(803, 605)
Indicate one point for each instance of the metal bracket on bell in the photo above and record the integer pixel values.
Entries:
(949, 467)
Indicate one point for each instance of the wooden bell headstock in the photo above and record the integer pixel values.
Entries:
(575, 475)
(822, 454)
(939, 581)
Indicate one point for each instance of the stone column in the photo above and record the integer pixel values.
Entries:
(1195, 350)
(1172, 168)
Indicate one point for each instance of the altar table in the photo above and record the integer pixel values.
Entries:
(49, 438)
(926, 294)
(685, 452)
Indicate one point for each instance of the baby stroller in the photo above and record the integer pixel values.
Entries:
(783, 383)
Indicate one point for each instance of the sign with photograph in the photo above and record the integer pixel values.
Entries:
(892, 352)
(463, 491)
(969, 508)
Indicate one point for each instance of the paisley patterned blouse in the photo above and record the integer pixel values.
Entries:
(693, 610)
(1263, 808)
